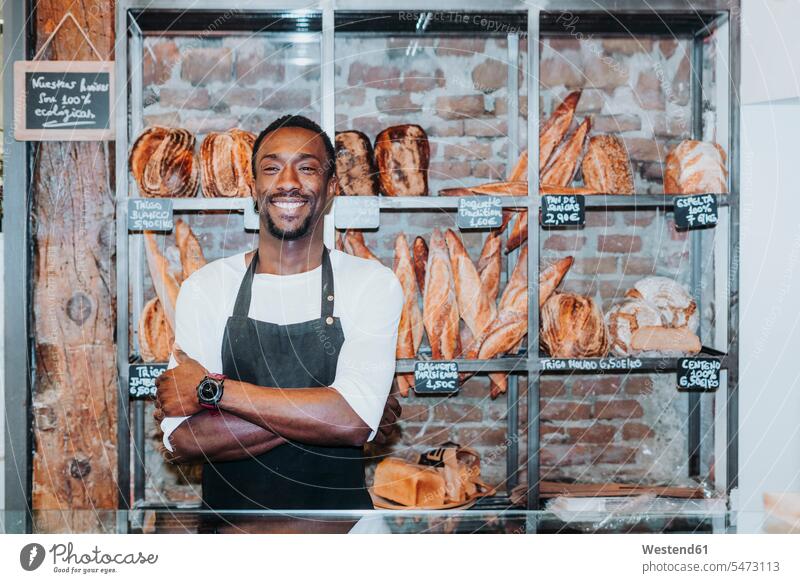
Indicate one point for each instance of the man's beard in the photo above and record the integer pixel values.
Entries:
(297, 233)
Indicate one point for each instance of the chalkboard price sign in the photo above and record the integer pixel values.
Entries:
(563, 210)
(698, 374)
(479, 212)
(435, 377)
(697, 211)
(357, 212)
(142, 379)
(149, 214)
(64, 100)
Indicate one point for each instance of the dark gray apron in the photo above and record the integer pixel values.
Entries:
(293, 475)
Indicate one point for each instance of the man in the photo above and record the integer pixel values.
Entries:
(284, 356)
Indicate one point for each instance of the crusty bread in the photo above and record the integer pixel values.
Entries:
(420, 251)
(508, 188)
(226, 162)
(439, 303)
(694, 167)
(355, 164)
(155, 334)
(665, 341)
(624, 319)
(606, 166)
(489, 265)
(409, 484)
(354, 244)
(561, 170)
(410, 330)
(573, 327)
(163, 162)
(402, 154)
(550, 277)
(556, 127)
(191, 253)
(475, 306)
(671, 299)
(519, 232)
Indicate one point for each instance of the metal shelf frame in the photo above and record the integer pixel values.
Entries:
(695, 20)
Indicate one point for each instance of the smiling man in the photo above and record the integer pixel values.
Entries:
(284, 355)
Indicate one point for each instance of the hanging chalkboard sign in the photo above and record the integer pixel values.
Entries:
(697, 211)
(142, 379)
(435, 377)
(149, 214)
(63, 100)
(698, 374)
(563, 210)
(357, 212)
(479, 212)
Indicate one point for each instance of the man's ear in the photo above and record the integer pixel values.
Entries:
(332, 190)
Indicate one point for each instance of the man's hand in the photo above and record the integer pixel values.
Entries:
(391, 413)
(176, 388)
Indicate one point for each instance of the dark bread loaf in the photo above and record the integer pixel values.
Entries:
(355, 164)
(402, 154)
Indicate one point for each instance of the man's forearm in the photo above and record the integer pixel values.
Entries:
(225, 437)
(317, 415)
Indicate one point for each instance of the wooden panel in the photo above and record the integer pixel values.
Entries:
(74, 304)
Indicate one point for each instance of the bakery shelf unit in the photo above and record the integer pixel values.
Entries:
(521, 28)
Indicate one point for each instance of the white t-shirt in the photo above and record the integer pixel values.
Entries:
(368, 302)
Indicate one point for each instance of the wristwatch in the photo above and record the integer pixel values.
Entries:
(209, 391)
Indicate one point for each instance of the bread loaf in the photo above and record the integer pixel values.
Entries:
(420, 261)
(354, 245)
(440, 306)
(665, 341)
(673, 302)
(624, 319)
(606, 166)
(552, 276)
(694, 167)
(573, 327)
(561, 170)
(410, 330)
(475, 306)
(155, 334)
(489, 265)
(355, 164)
(402, 154)
(409, 484)
(225, 159)
(191, 253)
(556, 127)
(163, 163)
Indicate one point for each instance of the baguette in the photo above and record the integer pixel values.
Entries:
(191, 253)
(561, 170)
(556, 127)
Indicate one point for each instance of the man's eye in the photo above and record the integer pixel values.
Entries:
(308, 169)
(270, 169)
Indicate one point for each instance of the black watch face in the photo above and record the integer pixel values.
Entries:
(208, 390)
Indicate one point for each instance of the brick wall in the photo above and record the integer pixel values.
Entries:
(621, 427)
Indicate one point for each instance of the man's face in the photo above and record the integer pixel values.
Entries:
(292, 188)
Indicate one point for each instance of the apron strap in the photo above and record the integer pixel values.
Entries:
(242, 306)
(326, 311)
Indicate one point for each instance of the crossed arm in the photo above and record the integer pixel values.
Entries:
(255, 419)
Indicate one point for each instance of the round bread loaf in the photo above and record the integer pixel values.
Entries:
(573, 327)
(226, 163)
(624, 319)
(163, 163)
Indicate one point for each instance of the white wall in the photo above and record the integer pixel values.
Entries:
(769, 408)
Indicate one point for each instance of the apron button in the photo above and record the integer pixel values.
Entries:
(329, 320)
(330, 298)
